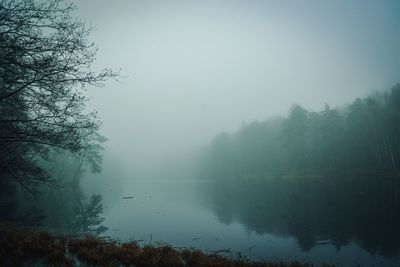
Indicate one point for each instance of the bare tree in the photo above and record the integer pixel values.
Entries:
(46, 60)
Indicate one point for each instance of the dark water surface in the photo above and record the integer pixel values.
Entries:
(278, 219)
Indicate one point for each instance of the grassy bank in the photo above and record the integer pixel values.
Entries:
(33, 248)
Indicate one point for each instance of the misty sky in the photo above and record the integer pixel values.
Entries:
(195, 68)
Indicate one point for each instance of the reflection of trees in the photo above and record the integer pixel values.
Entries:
(315, 210)
(46, 61)
(260, 208)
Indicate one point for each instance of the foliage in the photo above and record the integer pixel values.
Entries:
(47, 138)
(88, 219)
(312, 173)
(46, 60)
(361, 138)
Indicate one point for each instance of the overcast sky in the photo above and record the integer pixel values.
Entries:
(195, 68)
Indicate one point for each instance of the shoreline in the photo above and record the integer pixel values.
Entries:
(27, 247)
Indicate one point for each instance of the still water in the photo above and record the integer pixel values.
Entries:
(250, 221)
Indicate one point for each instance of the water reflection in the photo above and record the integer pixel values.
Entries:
(317, 211)
(284, 219)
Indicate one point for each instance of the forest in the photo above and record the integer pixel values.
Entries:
(329, 175)
(147, 181)
(359, 138)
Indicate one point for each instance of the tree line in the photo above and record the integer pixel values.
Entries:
(328, 176)
(362, 137)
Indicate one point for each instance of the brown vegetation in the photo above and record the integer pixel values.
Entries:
(30, 247)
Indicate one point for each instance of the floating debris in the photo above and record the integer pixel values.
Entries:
(219, 251)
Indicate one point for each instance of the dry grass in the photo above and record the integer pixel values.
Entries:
(30, 247)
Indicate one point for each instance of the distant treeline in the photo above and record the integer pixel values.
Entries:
(363, 137)
(327, 177)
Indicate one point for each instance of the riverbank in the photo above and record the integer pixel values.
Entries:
(19, 248)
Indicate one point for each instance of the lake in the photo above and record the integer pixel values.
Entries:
(256, 220)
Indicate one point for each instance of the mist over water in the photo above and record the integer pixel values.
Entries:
(261, 130)
(192, 70)
(227, 220)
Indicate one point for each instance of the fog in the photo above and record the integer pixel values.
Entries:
(191, 69)
(195, 133)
